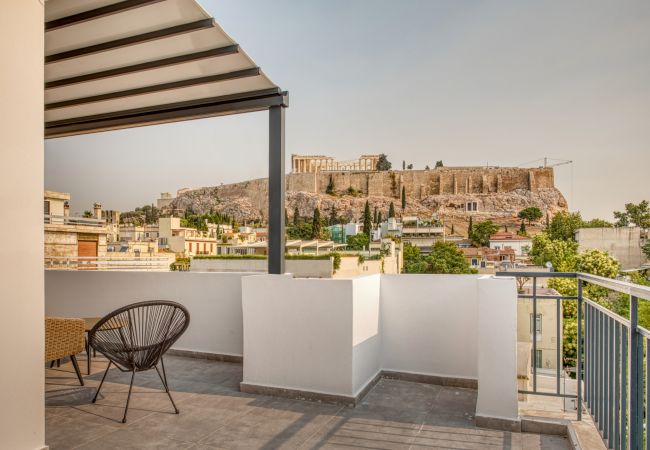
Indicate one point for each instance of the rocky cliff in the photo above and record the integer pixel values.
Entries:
(500, 193)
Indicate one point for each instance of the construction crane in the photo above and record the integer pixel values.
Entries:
(554, 162)
(545, 160)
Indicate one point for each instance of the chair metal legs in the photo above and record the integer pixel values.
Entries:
(101, 383)
(163, 378)
(75, 364)
(128, 398)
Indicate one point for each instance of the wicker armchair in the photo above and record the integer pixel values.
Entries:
(64, 337)
(135, 338)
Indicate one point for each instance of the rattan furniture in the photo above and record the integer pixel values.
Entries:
(64, 337)
(135, 337)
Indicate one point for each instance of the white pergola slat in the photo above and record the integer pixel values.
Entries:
(119, 64)
(159, 60)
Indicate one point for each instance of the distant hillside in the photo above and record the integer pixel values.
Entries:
(500, 193)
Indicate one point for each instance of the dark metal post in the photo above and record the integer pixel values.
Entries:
(579, 359)
(276, 190)
(535, 334)
(636, 379)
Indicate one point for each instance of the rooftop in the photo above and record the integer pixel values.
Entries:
(215, 414)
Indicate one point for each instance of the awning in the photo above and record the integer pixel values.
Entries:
(118, 64)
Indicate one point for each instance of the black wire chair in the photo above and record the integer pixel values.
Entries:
(135, 337)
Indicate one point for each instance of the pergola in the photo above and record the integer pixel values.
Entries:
(113, 64)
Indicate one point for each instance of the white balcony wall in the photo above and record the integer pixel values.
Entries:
(213, 300)
(298, 333)
(366, 331)
(22, 416)
(430, 324)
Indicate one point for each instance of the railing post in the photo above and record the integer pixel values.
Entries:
(579, 358)
(636, 378)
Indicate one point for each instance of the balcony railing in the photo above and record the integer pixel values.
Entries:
(611, 354)
(67, 220)
(147, 264)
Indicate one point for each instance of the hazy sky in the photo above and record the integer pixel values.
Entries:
(468, 82)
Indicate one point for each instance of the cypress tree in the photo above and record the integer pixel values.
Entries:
(316, 224)
(522, 228)
(374, 216)
(379, 218)
(391, 210)
(296, 216)
(367, 220)
(333, 218)
(452, 228)
(403, 197)
(547, 220)
(330, 187)
(470, 228)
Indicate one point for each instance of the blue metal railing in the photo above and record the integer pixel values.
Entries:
(611, 354)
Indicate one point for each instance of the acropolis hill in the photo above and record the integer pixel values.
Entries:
(499, 192)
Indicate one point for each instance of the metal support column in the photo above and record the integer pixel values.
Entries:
(579, 359)
(636, 379)
(276, 244)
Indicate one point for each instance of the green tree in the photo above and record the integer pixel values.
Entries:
(470, 228)
(383, 163)
(333, 216)
(391, 210)
(296, 216)
(530, 214)
(427, 167)
(452, 229)
(374, 216)
(445, 257)
(638, 215)
(522, 229)
(562, 254)
(380, 219)
(482, 231)
(564, 225)
(597, 223)
(403, 197)
(300, 231)
(87, 214)
(646, 249)
(316, 224)
(439, 163)
(367, 220)
(410, 167)
(358, 241)
(403, 165)
(330, 187)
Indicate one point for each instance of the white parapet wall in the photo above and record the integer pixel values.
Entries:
(334, 337)
(430, 324)
(213, 300)
(329, 337)
(311, 268)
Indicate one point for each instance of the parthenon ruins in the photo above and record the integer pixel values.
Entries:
(320, 163)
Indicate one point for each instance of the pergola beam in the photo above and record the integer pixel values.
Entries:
(155, 88)
(195, 109)
(202, 24)
(96, 13)
(174, 60)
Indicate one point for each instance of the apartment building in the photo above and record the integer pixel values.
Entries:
(544, 327)
(506, 239)
(70, 238)
(184, 240)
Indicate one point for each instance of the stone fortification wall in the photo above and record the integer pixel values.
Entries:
(499, 193)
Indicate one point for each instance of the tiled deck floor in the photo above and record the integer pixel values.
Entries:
(214, 414)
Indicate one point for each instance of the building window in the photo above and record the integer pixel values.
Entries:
(538, 324)
(46, 207)
(536, 361)
(471, 206)
(474, 262)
